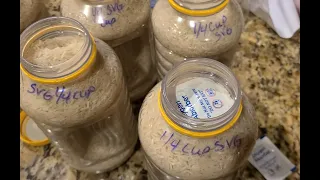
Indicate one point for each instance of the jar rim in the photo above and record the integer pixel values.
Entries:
(23, 135)
(34, 31)
(207, 126)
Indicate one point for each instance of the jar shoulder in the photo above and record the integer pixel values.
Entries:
(150, 115)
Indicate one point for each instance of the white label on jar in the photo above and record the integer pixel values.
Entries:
(269, 160)
(202, 98)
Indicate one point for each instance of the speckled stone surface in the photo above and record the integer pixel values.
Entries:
(269, 71)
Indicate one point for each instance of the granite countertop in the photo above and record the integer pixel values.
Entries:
(269, 72)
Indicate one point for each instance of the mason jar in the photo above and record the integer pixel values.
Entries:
(72, 86)
(124, 25)
(197, 124)
(31, 11)
(190, 29)
(138, 67)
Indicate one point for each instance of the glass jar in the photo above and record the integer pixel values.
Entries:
(245, 4)
(138, 67)
(189, 29)
(31, 11)
(197, 124)
(124, 26)
(72, 86)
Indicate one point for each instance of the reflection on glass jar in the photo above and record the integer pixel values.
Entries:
(197, 124)
(72, 86)
(189, 29)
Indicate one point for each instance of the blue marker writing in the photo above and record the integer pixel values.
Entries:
(184, 147)
(219, 29)
(60, 93)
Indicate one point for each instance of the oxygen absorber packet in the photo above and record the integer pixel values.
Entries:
(203, 98)
(270, 161)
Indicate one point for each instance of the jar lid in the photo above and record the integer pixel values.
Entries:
(30, 133)
(178, 5)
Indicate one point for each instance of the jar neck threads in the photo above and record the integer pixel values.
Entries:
(200, 68)
(51, 28)
(202, 8)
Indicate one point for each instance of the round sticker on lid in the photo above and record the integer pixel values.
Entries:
(30, 133)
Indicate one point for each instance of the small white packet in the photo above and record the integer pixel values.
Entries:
(281, 15)
(270, 161)
(202, 98)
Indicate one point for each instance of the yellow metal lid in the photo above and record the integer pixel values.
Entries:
(30, 133)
